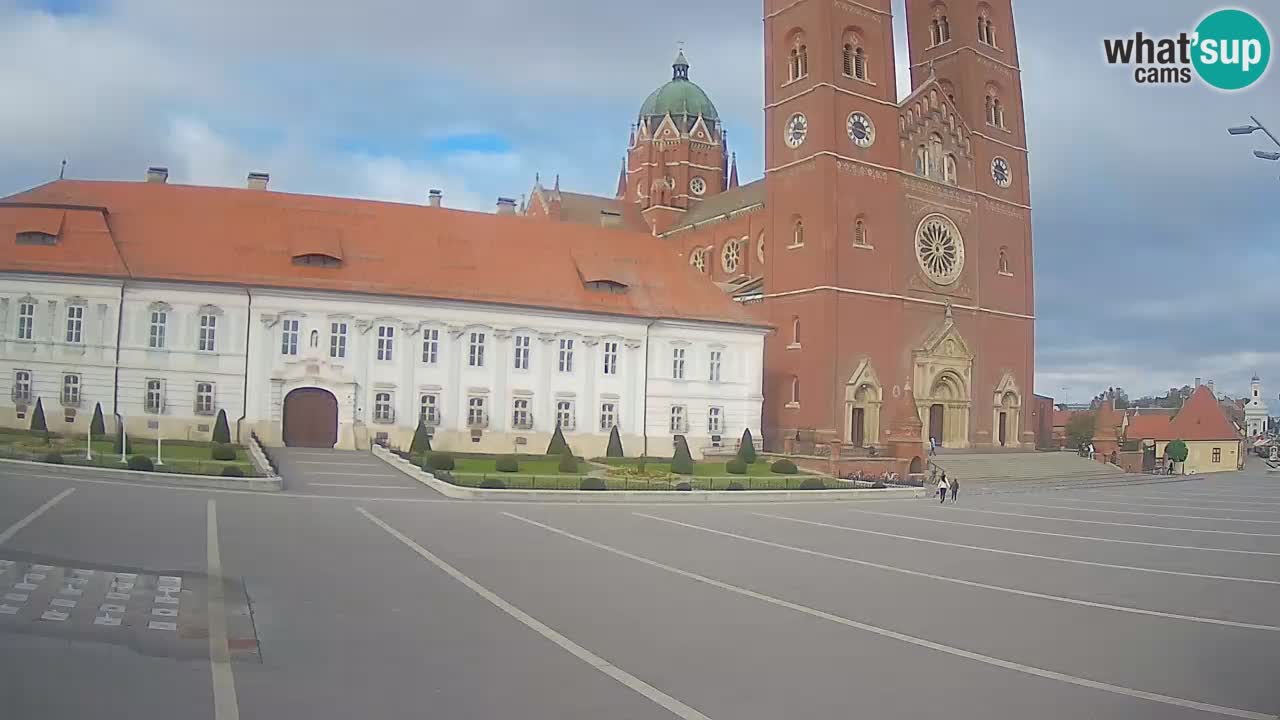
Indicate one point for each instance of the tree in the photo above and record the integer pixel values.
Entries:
(615, 444)
(682, 461)
(38, 426)
(557, 445)
(747, 448)
(97, 427)
(421, 440)
(221, 432)
(1176, 451)
(568, 463)
(1080, 429)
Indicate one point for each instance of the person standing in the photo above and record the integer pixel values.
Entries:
(942, 488)
(933, 446)
(955, 489)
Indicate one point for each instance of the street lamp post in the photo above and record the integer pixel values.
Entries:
(1251, 129)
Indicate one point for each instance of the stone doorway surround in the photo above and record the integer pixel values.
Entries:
(943, 375)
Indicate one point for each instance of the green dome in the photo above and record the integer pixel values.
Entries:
(680, 97)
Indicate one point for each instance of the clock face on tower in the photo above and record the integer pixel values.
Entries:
(797, 130)
(1001, 173)
(861, 131)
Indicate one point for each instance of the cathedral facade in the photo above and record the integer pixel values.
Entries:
(888, 243)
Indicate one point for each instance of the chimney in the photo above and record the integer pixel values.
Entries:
(158, 175)
(1211, 387)
(1193, 387)
(506, 206)
(435, 198)
(258, 180)
(609, 218)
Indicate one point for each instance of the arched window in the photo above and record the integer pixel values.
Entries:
(315, 338)
(795, 64)
(795, 390)
(698, 259)
(860, 233)
(848, 60)
(804, 60)
(795, 331)
(935, 155)
(949, 169)
(860, 64)
(1004, 261)
(935, 32)
(997, 112)
(982, 30)
(797, 238)
(991, 34)
(922, 160)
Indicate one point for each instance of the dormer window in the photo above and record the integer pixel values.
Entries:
(612, 287)
(317, 260)
(36, 237)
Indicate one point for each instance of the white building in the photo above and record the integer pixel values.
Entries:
(1255, 411)
(323, 321)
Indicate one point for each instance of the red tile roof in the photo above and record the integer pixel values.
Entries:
(1148, 427)
(1201, 418)
(250, 237)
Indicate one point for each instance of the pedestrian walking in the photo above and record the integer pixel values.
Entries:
(942, 488)
(933, 447)
(955, 489)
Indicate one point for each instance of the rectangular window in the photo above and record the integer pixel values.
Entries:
(1217, 455)
(611, 358)
(338, 340)
(289, 337)
(154, 402)
(566, 355)
(71, 389)
(677, 364)
(204, 398)
(22, 386)
(159, 319)
(608, 416)
(429, 409)
(715, 421)
(383, 409)
(679, 421)
(521, 418)
(475, 353)
(386, 341)
(476, 415)
(75, 324)
(565, 416)
(26, 320)
(523, 343)
(208, 333)
(431, 346)
(714, 374)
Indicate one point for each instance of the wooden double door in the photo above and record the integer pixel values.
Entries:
(310, 418)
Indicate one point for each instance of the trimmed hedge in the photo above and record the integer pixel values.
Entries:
(53, 458)
(97, 426)
(682, 461)
(568, 463)
(784, 467)
(221, 431)
(735, 485)
(223, 452)
(507, 464)
(684, 486)
(812, 483)
(493, 483)
(615, 444)
(879, 485)
(232, 471)
(438, 461)
(747, 450)
(421, 441)
(736, 467)
(558, 445)
(593, 483)
(141, 462)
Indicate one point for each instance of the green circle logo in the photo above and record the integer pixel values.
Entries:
(1232, 49)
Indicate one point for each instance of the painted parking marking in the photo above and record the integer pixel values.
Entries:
(1201, 500)
(7, 609)
(968, 583)
(72, 591)
(1134, 512)
(118, 596)
(126, 577)
(25, 586)
(361, 487)
(164, 612)
(107, 620)
(166, 600)
(16, 597)
(1166, 505)
(41, 568)
(62, 602)
(35, 577)
(1263, 499)
(54, 616)
(159, 625)
(169, 581)
(364, 465)
(1115, 524)
(1072, 561)
(628, 680)
(1063, 535)
(910, 639)
(109, 608)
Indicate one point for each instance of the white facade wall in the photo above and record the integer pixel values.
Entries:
(253, 374)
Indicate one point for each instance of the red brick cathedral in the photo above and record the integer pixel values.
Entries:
(889, 241)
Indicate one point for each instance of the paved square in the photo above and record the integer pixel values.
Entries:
(1138, 600)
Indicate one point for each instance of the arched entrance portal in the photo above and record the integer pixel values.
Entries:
(310, 418)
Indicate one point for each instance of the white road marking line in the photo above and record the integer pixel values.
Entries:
(362, 487)
(1162, 505)
(1133, 512)
(969, 583)
(673, 705)
(910, 639)
(1199, 500)
(13, 529)
(1062, 535)
(1021, 554)
(1264, 499)
(225, 705)
(365, 466)
(1116, 524)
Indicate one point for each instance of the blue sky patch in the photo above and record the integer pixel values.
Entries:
(62, 7)
(488, 143)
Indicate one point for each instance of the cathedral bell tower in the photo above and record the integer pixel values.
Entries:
(677, 156)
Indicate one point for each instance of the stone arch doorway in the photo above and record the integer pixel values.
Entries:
(948, 411)
(863, 399)
(310, 418)
(1007, 420)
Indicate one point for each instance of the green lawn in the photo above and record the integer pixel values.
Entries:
(529, 465)
(704, 469)
(566, 482)
(183, 457)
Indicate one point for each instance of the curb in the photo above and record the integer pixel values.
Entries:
(267, 484)
(631, 496)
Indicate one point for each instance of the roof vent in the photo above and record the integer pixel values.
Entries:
(258, 180)
(506, 206)
(612, 287)
(36, 237)
(435, 198)
(610, 218)
(158, 175)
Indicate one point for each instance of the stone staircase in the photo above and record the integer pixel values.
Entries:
(1025, 470)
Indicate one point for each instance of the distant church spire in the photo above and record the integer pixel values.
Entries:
(622, 179)
(733, 172)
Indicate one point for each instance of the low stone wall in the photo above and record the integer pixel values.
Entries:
(628, 496)
(849, 466)
(262, 484)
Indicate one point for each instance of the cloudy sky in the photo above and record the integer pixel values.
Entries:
(1156, 233)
